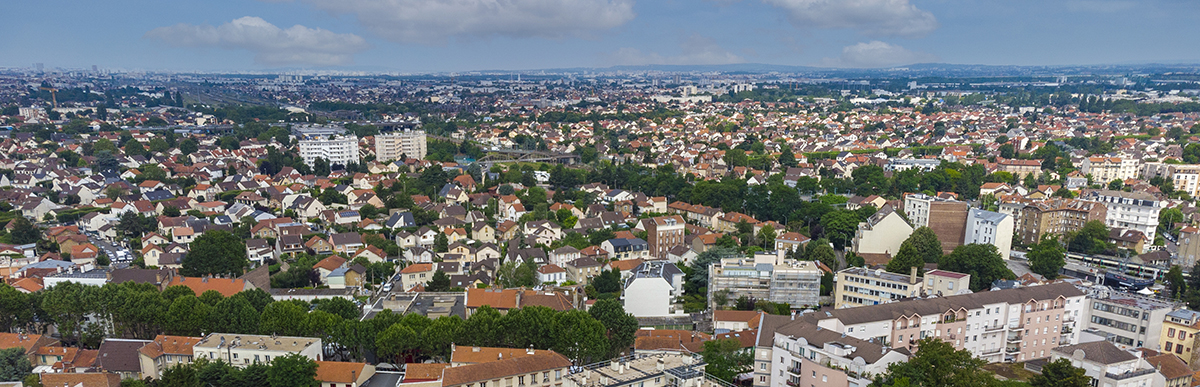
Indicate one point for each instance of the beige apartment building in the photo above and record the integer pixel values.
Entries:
(410, 143)
(882, 233)
(242, 350)
(1058, 217)
(1106, 169)
(858, 286)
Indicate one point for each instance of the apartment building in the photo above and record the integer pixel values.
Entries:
(998, 326)
(767, 277)
(1106, 169)
(535, 370)
(989, 228)
(1020, 168)
(410, 143)
(1127, 320)
(165, 352)
(945, 283)
(664, 233)
(882, 233)
(803, 354)
(858, 286)
(1189, 247)
(1178, 336)
(1129, 210)
(654, 370)
(1109, 365)
(1057, 217)
(949, 218)
(242, 350)
(1185, 178)
(339, 150)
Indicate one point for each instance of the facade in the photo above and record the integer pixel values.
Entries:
(950, 215)
(651, 289)
(767, 277)
(337, 150)
(1110, 366)
(989, 228)
(410, 143)
(998, 326)
(535, 370)
(242, 350)
(857, 286)
(1186, 178)
(1189, 246)
(626, 248)
(1129, 210)
(1179, 336)
(882, 233)
(664, 232)
(790, 241)
(656, 370)
(165, 352)
(946, 283)
(804, 355)
(1057, 217)
(1107, 169)
(1127, 320)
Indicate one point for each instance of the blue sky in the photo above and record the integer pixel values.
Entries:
(463, 35)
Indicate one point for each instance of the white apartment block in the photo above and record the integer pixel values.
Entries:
(410, 143)
(998, 326)
(242, 350)
(858, 286)
(1110, 366)
(1185, 178)
(767, 277)
(805, 355)
(1107, 169)
(340, 150)
(1129, 210)
(989, 228)
(1127, 320)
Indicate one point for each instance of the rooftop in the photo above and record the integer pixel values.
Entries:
(268, 343)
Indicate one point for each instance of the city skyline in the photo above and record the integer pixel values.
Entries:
(475, 35)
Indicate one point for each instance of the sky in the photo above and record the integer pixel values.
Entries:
(468, 35)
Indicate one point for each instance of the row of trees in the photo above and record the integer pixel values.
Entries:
(982, 261)
(283, 371)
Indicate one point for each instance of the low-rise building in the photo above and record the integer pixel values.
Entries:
(242, 350)
(857, 286)
(767, 277)
(1108, 365)
(165, 352)
(882, 233)
(651, 289)
(1178, 336)
(1127, 320)
(537, 370)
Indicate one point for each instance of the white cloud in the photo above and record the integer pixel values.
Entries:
(271, 45)
(877, 54)
(695, 50)
(870, 17)
(434, 21)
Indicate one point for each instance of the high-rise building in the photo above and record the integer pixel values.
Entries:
(946, 217)
(410, 143)
(336, 149)
(664, 232)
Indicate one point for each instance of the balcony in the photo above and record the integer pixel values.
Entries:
(793, 383)
(1066, 329)
(1014, 325)
(795, 369)
(1014, 338)
(992, 351)
(1012, 349)
(1130, 374)
(993, 328)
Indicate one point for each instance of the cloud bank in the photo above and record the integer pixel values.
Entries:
(876, 54)
(869, 17)
(695, 50)
(271, 45)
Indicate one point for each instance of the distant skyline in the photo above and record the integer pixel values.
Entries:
(468, 35)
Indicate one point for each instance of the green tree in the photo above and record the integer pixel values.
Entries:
(609, 281)
(14, 365)
(234, 315)
(440, 333)
(482, 328)
(1060, 373)
(24, 232)
(294, 370)
(281, 318)
(937, 363)
(820, 251)
(439, 283)
(620, 327)
(697, 273)
(725, 359)
(927, 244)
(397, 343)
(1176, 282)
(839, 226)
(188, 146)
(15, 308)
(134, 148)
(906, 258)
(579, 337)
(188, 316)
(216, 252)
(338, 306)
(1091, 239)
(181, 375)
(1047, 257)
(982, 262)
(441, 243)
(158, 145)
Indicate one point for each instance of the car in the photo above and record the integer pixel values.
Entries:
(387, 287)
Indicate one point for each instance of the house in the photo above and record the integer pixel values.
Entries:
(651, 289)
(239, 350)
(483, 232)
(551, 274)
(326, 266)
(344, 277)
(582, 270)
(85, 379)
(259, 251)
(289, 244)
(338, 374)
(882, 233)
(318, 245)
(226, 286)
(400, 220)
(504, 300)
(542, 370)
(120, 356)
(183, 235)
(790, 241)
(416, 274)
(1108, 365)
(165, 352)
(371, 253)
(562, 255)
(346, 242)
(626, 248)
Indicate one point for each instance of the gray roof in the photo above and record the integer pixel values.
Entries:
(818, 337)
(655, 269)
(1102, 352)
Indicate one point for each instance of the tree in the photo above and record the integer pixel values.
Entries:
(609, 281)
(620, 327)
(14, 365)
(338, 306)
(981, 261)
(24, 232)
(1060, 373)
(927, 244)
(188, 146)
(937, 363)
(293, 370)
(441, 243)
(1176, 282)
(281, 318)
(439, 283)
(134, 148)
(234, 315)
(579, 337)
(397, 343)
(1047, 257)
(181, 375)
(839, 226)
(1091, 239)
(906, 258)
(216, 252)
(725, 359)
(187, 316)
(440, 333)
(820, 251)
(697, 273)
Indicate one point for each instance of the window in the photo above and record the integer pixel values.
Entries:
(814, 374)
(950, 285)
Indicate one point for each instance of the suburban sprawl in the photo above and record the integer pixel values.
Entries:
(962, 226)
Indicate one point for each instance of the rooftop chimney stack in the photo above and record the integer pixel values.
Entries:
(912, 275)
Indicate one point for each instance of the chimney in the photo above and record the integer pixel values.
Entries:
(529, 351)
(660, 365)
(474, 349)
(912, 275)
(621, 371)
(614, 365)
(519, 292)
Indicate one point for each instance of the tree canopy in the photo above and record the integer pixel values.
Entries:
(981, 261)
(216, 252)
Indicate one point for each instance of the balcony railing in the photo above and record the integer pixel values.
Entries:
(1130, 374)
(1014, 338)
(1012, 349)
(794, 369)
(993, 328)
(793, 383)
(992, 351)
